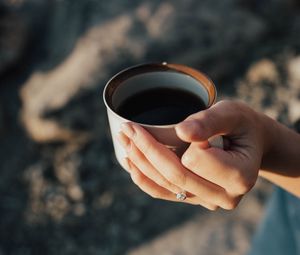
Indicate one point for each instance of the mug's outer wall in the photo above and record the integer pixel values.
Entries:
(165, 135)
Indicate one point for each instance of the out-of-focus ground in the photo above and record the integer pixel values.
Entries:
(61, 189)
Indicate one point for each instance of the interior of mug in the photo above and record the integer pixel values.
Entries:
(157, 79)
(157, 75)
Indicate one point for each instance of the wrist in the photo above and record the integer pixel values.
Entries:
(270, 134)
(281, 148)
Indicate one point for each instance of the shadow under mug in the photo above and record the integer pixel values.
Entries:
(150, 76)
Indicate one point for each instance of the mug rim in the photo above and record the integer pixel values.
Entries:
(129, 72)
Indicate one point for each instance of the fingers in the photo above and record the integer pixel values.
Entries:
(145, 166)
(146, 184)
(223, 168)
(220, 119)
(156, 153)
(156, 191)
(170, 167)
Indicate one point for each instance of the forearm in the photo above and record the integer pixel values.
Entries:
(281, 160)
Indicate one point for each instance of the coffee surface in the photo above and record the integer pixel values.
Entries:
(160, 106)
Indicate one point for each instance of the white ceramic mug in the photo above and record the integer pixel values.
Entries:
(149, 76)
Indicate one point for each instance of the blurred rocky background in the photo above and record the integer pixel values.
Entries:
(61, 189)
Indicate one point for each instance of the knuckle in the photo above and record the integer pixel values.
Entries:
(233, 107)
(229, 204)
(212, 207)
(202, 125)
(177, 178)
(245, 186)
(229, 104)
(241, 184)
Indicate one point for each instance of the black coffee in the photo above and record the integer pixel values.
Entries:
(160, 106)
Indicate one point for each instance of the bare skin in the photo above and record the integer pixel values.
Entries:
(212, 177)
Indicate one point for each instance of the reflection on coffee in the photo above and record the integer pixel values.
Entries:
(160, 106)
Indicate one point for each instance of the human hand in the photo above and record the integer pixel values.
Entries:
(211, 177)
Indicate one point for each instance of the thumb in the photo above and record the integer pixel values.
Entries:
(220, 119)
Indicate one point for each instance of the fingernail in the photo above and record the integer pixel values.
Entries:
(121, 139)
(186, 130)
(127, 129)
(186, 124)
(185, 159)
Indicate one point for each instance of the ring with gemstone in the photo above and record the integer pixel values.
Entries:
(181, 195)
